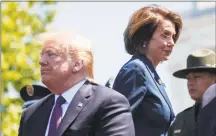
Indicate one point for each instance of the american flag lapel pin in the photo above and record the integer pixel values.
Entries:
(80, 104)
(160, 81)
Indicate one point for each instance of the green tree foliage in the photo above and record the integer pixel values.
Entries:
(21, 21)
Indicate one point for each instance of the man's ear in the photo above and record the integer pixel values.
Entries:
(78, 65)
(75, 69)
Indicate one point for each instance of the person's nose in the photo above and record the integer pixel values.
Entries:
(171, 42)
(190, 83)
(43, 60)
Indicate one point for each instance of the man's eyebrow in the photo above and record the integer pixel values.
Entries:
(46, 50)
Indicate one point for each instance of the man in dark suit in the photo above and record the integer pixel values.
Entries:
(78, 106)
(32, 93)
(207, 117)
(207, 121)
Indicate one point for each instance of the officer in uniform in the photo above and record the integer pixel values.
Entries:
(32, 93)
(207, 117)
(200, 75)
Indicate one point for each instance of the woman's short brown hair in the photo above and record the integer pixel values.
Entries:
(143, 24)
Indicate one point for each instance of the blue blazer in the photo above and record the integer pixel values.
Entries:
(150, 105)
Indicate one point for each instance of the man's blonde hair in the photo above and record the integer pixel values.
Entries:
(76, 46)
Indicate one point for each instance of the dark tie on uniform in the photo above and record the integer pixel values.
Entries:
(56, 116)
(197, 110)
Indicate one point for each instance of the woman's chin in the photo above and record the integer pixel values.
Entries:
(165, 58)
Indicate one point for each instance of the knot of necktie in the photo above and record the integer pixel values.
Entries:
(60, 100)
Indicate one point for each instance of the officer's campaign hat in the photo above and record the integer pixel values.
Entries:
(32, 93)
(201, 60)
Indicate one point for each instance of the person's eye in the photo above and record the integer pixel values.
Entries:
(166, 35)
(188, 78)
(197, 77)
(52, 55)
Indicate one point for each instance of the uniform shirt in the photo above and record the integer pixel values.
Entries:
(209, 95)
(185, 123)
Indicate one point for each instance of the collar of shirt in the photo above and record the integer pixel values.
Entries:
(68, 96)
(70, 93)
(209, 95)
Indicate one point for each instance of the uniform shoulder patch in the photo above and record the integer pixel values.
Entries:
(185, 111)
(188, 109)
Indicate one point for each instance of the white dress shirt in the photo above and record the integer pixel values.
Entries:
(68, 96)
(209, 95)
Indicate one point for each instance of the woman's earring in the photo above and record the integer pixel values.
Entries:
(144, 45)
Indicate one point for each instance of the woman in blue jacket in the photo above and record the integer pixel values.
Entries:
(150, 37)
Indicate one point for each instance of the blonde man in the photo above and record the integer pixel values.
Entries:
(76, 107)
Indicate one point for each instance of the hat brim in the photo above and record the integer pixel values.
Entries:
(183, 73)
(39, 92)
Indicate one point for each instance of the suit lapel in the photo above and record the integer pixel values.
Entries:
(40, 110)
(164, 94)
(153, 74)
(75, 107)
(32, 109)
